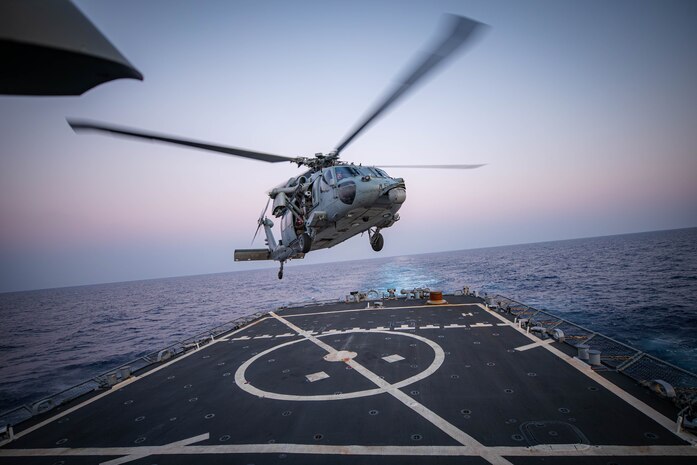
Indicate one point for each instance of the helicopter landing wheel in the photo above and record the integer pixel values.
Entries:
(305, 242)
(280, 272)
(377, 242)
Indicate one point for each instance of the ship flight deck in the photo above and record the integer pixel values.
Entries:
(397, 382)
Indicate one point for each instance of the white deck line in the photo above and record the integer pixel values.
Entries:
(160, 449)
(656, 416)
(377, 309)
(439, 422)
(179, 448)
(226, 338)
(533, 345)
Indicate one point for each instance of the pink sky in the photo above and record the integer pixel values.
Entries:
(584, 114)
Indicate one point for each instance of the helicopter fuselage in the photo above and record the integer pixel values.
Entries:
(336, 203)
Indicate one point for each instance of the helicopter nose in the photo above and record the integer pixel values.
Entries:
(397, 195)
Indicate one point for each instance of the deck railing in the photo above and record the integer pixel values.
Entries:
(643, 368)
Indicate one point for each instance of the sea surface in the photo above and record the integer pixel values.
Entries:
(638, 288)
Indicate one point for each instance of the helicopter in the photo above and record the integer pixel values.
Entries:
(332, 200)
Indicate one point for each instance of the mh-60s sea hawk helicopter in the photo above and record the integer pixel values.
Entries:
(333, 200)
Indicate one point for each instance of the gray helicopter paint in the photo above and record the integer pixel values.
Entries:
(371, 208)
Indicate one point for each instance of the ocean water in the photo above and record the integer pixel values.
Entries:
(637, 288)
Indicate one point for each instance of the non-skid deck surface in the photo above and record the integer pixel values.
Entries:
(343, 384)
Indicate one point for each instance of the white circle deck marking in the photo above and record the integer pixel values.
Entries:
(242, 383)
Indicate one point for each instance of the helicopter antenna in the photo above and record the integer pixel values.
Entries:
(460, 30)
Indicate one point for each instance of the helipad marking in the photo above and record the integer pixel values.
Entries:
(227, 337)
(316, 376)
(373, 309)
(392, 389)
(242, 383)
(533, 345)
(393, 358)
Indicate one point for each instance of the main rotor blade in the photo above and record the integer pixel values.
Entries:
(79, 125)
(459, 31)
(447, 167)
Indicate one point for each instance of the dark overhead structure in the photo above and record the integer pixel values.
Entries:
(48, 47)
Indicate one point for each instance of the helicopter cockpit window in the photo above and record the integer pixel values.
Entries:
(326, 180)
(344, 172)
(381, 173)
(366, 171)
(328, 176)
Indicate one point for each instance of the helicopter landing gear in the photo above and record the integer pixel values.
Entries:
(280, 272)
(376, 240)
(305, 242)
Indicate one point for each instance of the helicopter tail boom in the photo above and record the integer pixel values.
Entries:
(248, 255)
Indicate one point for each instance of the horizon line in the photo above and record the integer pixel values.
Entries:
(343, 261)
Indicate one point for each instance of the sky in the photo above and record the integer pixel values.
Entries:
(585, 114)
